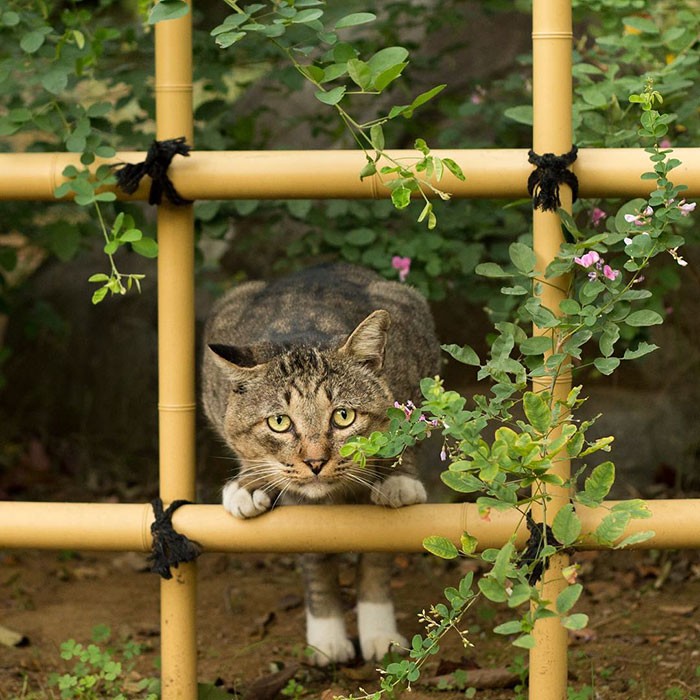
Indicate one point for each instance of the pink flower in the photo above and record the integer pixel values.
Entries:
(611, 274)
(664, 143)
(590, 258)
(407, 409)
(686, 207)
(443, 454)
(403, 265)
(597, 215)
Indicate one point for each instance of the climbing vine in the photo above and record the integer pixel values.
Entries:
(533, 430)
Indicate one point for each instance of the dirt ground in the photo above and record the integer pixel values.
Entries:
(643, 640)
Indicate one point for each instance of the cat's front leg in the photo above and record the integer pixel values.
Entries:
(325, 625)
(398, 490)
(243, 503)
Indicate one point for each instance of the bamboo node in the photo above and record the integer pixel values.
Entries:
(550, 172)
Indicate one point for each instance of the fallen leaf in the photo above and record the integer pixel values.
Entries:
(268, 687)
(483, 678)
(261, 624)
(678, 610)
(10, 638)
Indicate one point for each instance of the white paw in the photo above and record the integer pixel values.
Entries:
(397, 491)
(377, 628)
(328, 641)
(242, 503)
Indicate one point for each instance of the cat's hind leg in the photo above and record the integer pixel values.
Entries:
(376, 622)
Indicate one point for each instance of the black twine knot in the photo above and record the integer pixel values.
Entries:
(169, 548)
(540, 533)
(158, 159)
(550, 172)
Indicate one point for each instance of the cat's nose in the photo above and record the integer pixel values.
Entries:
(315, 464)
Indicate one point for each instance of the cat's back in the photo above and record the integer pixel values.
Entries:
(321, 306)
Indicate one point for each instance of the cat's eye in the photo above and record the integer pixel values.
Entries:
(279, 423)
(343, 417)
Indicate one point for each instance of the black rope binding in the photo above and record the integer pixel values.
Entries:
(169, 548)
(158, 159)
(534, 546)
(551, 171)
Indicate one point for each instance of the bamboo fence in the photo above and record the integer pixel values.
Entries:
(312, 174)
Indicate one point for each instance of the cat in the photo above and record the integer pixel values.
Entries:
(293, 368)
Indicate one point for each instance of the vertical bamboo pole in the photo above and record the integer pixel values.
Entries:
(552, 133)
(176, 359)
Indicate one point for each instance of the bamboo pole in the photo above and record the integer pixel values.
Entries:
(552, 133)
(490, 173)
(127, 527)
(176, 357)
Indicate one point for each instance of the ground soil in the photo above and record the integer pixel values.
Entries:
(642, 641)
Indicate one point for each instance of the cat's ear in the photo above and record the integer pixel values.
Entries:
(238, 362)
(368, 341)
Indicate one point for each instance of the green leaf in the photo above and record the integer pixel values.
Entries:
(575, 622)
(636, 538)
(330, 97)
(642, 24)
(461, 482)
(354, 19)
(537, 412)
(54, 81)
(387, 58)
(468, 543)
(611, 527)
(99, 294)
(597, 485)
(454, 168)
(463, 353)
(441, 547)
(568, 598)
(503, 563)
(146, 247)
(510, 627)
(644, 317)
(225, 40)
(306, 16)
(386, 77)
(527, 641)
(492, 589)
(521, 114)
(536, 345)
(401, 197)
(427, 96)
(131, 235)
(360, 236)
(522, 256)
(168, 9)
(566, 525)
(490, 269)
(606, 365)
(34, 40)
(376, 136)
(360, 73)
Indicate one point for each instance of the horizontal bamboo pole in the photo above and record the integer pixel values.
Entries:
(126, 527)
(497, 173)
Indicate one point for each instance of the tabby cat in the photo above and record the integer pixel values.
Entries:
(293, 369)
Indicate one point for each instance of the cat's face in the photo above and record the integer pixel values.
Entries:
(287, 418)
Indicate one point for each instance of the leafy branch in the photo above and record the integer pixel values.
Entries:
(341, 62)
(536, 429)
